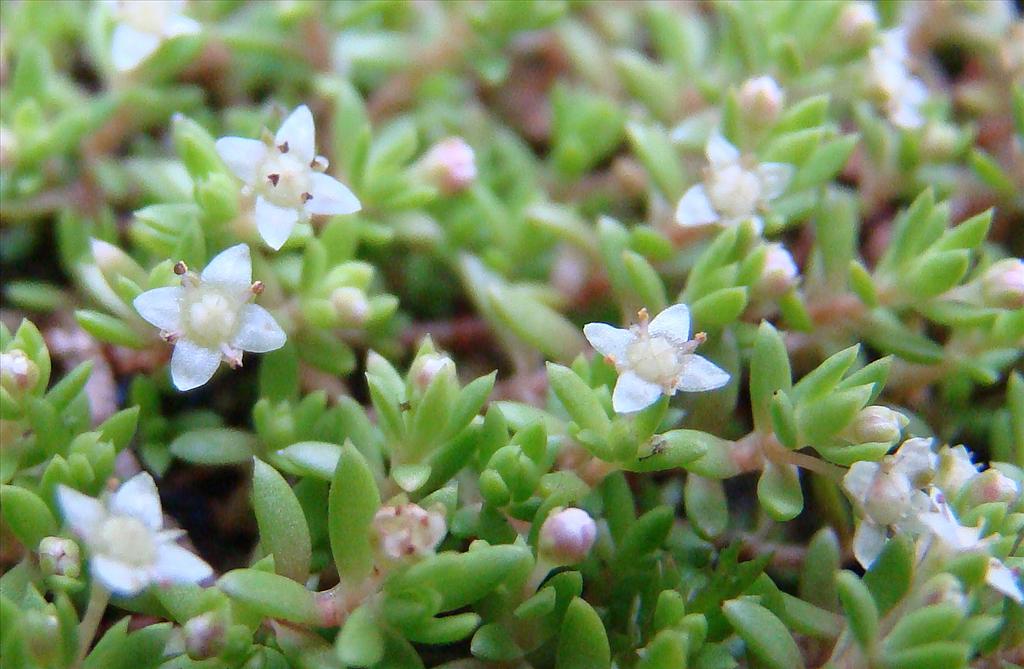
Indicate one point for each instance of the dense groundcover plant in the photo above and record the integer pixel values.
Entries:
(569, 335)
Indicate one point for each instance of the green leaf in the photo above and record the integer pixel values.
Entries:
(937, 622)
(769, 373)
(109, 329)
(935, 273)
(818, 576)
(311, 458)
(494, 643)
(706, 506)
(352, 502)
(582, 641)
(271, 595)
(890, 575)
(118, 649)
(778, 490)
(719, 308)
(27, 515)
(653, 147)
(645, 281)
(361, 642)
(938, 655)
(214, 446)
(536, 324)
(861, 614)
(282, 524)
(470, 401)
(825, 376)
(645, 536)
(579, 399)
(120, 428)
(826, 417)
(675, 448)
(766, 636)
(824, 163)
(68, 388)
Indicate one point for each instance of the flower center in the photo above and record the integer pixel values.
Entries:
(734, 191)
(126, 540)
(147, 17)
(654, 359)
(284, 180)
(210, 316)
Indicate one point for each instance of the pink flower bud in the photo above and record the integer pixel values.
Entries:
(59, 557)
(426, 367)
(204, 635)
(779, 273)
(567, 535)
(991, 485)
(17, 372)
(1002, 285)
(450, 165)
(761, 99)
(877, 424)
(351, 305)
(857, 23)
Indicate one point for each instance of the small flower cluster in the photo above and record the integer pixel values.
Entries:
(889, 78)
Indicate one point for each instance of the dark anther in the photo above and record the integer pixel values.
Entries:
(283, 148)
(306, 197)
(274, 178)
(180, 267)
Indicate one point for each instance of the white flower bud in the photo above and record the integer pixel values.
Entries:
(761, 99)
(450, 165)
(351, 305)
(779, 273)
(17, 372)
(955, 470)
(991, 485)
(1002, 285)
(428, 366)
(857, 23)
(408, 530)
(204, 635)
(567, 536)
(60, 557)
(877, 424)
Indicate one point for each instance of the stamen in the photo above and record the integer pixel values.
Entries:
(273, 178)
(283, 148)
(642, 315)
(169, 337)
(180, 267)
(257, 287)
(306, 197)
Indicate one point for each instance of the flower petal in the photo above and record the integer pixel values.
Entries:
(695, 208)
(181, 25)
(138, 497)
(774, 178)
(608, 340)
(330, 196)
(720, 152)
(175, 564)
(119, 578)
(161, 307)
(242, 156)
(858, 480)
(232, 267)
(274, 223)
(299, 132)
(258, 332)
(700, 374)
(633, 393)
(129, 47)
(916, 460)
(868, 542)
(673, 323)
(81, 512)
(1004, 579)
(192, 365)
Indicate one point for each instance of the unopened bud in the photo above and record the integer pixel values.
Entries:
(991, 485)
(450, 165)
(351, 305)
(877, 424)
(408, 530)
(955, 470)
(888, 497)
(1002, 285)
(59, 557)
(567, 536)
(204, 635)
(428, 366)
(939, 141)
(18, 373)
(761, 99)
(857, 23)
(779, 273)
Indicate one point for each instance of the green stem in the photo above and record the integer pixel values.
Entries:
(98, 599)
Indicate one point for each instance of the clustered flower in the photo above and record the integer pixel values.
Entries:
(735, 188)
(889, 77)
(129, 549)
(142, 26)
(655, 357)
(408, 530)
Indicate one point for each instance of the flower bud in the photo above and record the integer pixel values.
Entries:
(1002, 285)
(955, 470)
(779, 273)
(351, 306)
(877, 424)
(991, 485)
(857, 24)
(567, 535)
(408, 530)
(205, 635)
(888, 497)
(112, 262)
(17, 372)
(761, 99)
(59, 557)
(450, 165)
(426, 367)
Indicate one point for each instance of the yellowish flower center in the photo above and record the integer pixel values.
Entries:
(654, 359)
(284, 180)
(148, 17)
(734, 191)
(126, 540)
(210, 316)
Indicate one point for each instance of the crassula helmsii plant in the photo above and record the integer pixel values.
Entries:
(558, 335)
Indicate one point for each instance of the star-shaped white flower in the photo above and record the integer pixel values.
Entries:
(734, 189)
(287, 178)
(902, 94)
(211, 317)
(654, 358)
(143, 25)
(128, 547)
(888, 496)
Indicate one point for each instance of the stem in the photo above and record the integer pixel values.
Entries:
(98, 598)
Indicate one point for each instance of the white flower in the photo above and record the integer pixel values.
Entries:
(129, 549)
(901, 93)
(143, 25)
(567, 535)
(654, 358)
(733, 190)
(287, 177)
(888, 496)
(210, 317)
(408, 529)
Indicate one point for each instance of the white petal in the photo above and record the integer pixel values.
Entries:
(192, 365)
(1004, 579)
(330, 196)
(175, 564)
(672, 323)
(119, 578)
(720, 152)
(138, 497)
(774, 178)
(231, 267)
(161, 307)
(859, 478)
(181, 25)
(695, 208)
(130, 47)
(868, 542)
(298, 130)
(916, 460)
(950, 532)
(700, 374)
(81, 512)
(633, 393)
(608, 340)
(258, 332)
(274, 223)
(242, 156)
(758, 224)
